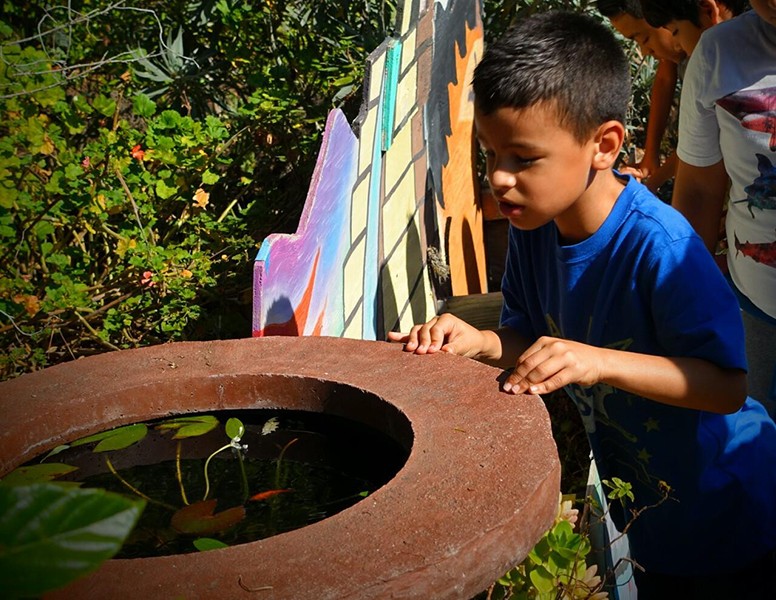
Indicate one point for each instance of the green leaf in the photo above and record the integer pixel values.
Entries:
(559, 562)
(234, 428)
(542, 579)
(205, 544)
(53, 535)
(73, 171)
(143, 106)
(209, 178)
(37, 473)
(186, 427)
(55, 451)
(164, 191)
(115, 439)
(105, 105)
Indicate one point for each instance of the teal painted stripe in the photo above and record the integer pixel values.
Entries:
(390, 86)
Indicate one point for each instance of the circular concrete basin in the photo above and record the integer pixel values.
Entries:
(479, 488)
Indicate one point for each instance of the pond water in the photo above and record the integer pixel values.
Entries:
(298, 468)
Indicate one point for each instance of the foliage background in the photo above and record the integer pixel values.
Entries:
(149, 146)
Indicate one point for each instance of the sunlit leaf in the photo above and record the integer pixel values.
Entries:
(542, 579)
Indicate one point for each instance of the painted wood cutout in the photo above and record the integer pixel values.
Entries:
(392, 224)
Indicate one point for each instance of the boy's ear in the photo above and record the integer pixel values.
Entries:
(710, 12)
(608, 141)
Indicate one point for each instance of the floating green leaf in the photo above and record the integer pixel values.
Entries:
(205, 544)
(53, 535)
(55, 451)
(187, 427)
(235, 428)
(37, 473)
(115, 439)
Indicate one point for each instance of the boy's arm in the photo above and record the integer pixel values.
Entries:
(663, 173)
(699, 194)
(551, 363)
(661, 99)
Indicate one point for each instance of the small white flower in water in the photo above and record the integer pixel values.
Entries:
(270, 426)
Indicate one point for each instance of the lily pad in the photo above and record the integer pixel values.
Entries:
(205, 544)
(115, 439)
(187, 427)
(37, 473)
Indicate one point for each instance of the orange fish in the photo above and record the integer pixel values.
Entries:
(268, 494)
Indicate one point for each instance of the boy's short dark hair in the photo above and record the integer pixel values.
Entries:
(615, 8)
(569, 60)
(659, 12)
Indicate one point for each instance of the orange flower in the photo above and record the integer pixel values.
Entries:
(201, 198)
(138, 153)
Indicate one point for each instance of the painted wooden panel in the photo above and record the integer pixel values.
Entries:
(390, 194)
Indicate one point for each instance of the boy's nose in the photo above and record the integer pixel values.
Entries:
(501, 180)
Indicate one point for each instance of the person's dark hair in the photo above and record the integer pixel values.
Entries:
(659, 12)
(614, 8)
(569, 60)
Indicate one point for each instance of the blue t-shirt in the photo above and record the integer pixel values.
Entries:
(644, 282)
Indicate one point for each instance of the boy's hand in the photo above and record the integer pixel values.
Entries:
(551, 363)
(445, 333)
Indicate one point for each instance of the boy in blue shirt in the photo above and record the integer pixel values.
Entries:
(609, 294)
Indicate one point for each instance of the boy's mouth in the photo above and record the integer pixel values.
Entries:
(510, 210)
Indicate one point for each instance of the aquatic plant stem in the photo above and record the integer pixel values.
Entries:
(244, 475)
(178, 473)
(207, 462)
(280, 460)
(134, 490)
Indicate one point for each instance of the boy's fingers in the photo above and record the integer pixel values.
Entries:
(540, 374)
(397, 336)
(438, 335)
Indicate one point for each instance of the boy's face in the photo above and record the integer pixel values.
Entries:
(536, 169)
(653, 41)
(766, 9)
(685, 33)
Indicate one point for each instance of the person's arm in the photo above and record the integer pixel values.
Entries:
(699, 194)
(661, 99)
(663, 173)
(448, 333)
(552, 363)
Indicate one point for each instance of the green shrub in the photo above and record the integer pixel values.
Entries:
(146, 152)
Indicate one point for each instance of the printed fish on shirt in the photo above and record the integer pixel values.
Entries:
(762, 191)
(755, 109)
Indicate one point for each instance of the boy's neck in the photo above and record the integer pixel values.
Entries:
(591, 209)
